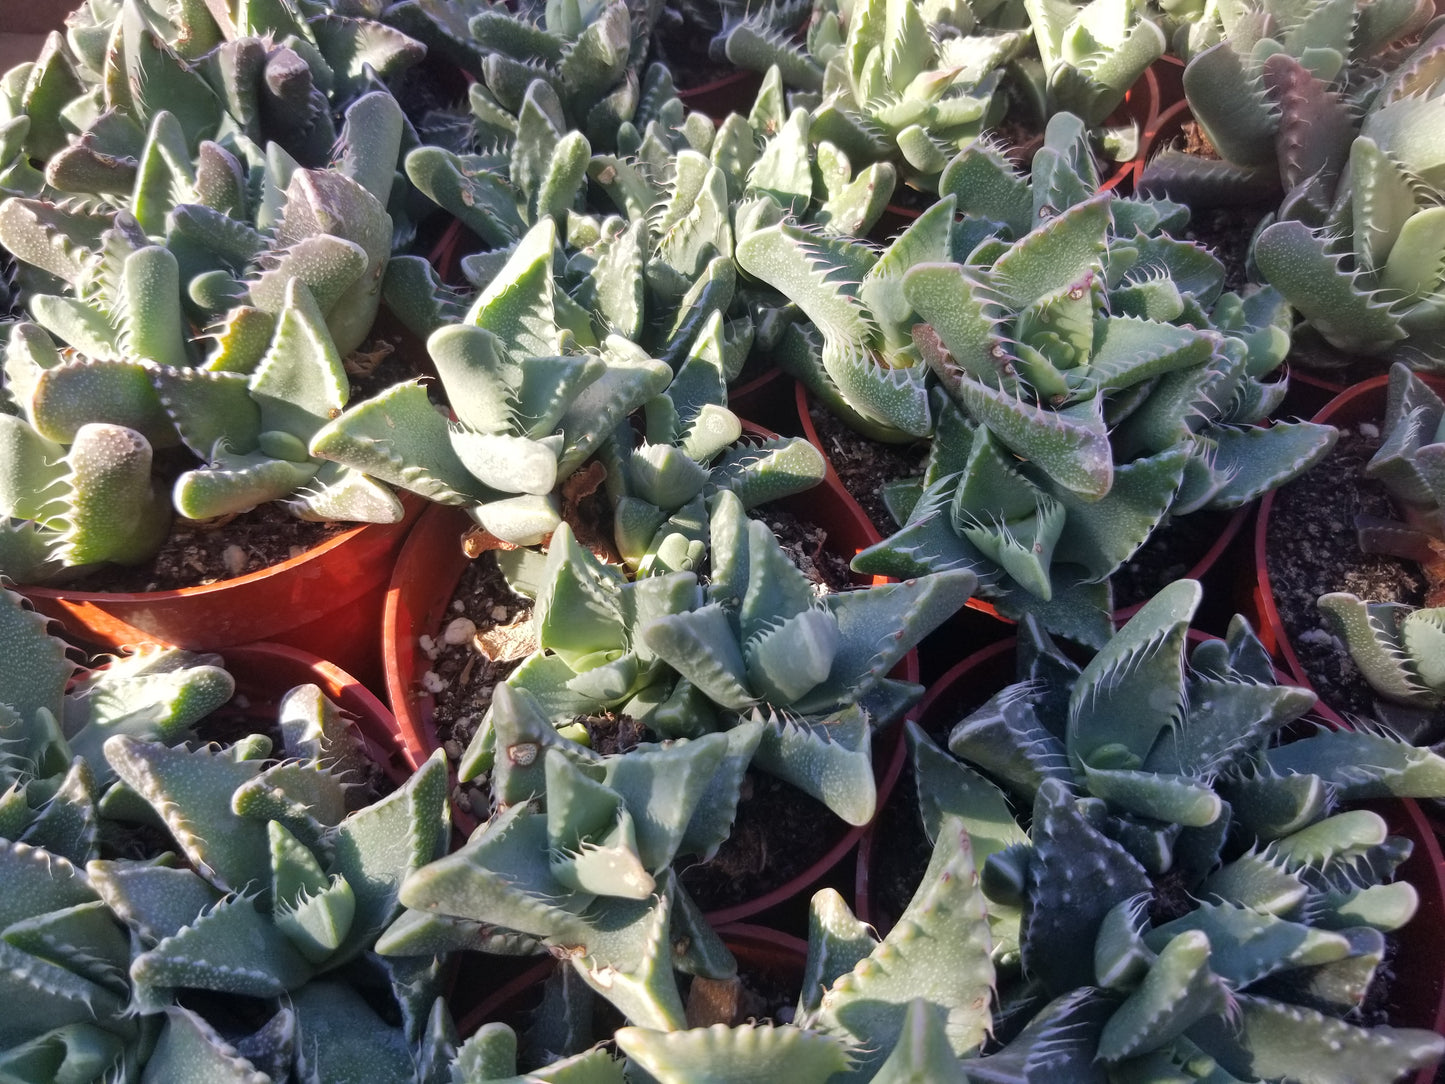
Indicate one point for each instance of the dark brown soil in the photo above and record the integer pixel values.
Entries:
(865, 466)
(465, 677)
(779, 832)
(806, 545)
(1311, 550)
(200, 552)
(684, 49)
(1227, 232)
(1171, 553)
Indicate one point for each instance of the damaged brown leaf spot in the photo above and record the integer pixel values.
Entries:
(364, 362)
(507, 643)
(478, 540)
(586, 511)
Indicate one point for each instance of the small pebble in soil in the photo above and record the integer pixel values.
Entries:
(234, 558)
(459, 630)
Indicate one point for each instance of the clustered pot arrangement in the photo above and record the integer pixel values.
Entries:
(610, 610)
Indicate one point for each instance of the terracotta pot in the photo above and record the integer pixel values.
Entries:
(426, 576)
(446, 255)
(731, 93)
(1416, 990)
(1309, 391)
(1139, 105)
(1364, 402)
(1168, 82)
(327, 601)
(264, 672)
(1167, 125)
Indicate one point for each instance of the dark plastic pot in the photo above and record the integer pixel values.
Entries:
(1168, 82)
(328, 601)
(264, 672)
(426, 576)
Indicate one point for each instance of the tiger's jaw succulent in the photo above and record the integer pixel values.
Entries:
(871, 1009)
(1092, 380)
(1398, 647)
(1091, 54)
(274, 882)
(70, 508)
(270, 73)
(1194, 872)
(824, 695)
(591, 53)
(277, 888)
(57, 716)
(689, 450)
(1410, 464)
(583, 866)
(253, 429)
(679, 189)
(684, 662)
(1359, 260)
(1279, 90)
(858, 355)
(530, 405)
(898, 88)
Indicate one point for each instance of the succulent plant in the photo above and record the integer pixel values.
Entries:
(1186, 875)
(680, 189)
(689, 450)
(1357, 261)
(70, 508)
(1278, 89)
(856, 352)
(279, 894)
(1410, 464)
(1090, 54)
(1397, 647)
(825, 696)
(253, 429)
(530, 405)
(1092, 380)
(578, 856)
(273, 883)
(591, 53)
(755, 35)
(870, 1009)
(684, 661)
(900, 88)
(55, 716)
